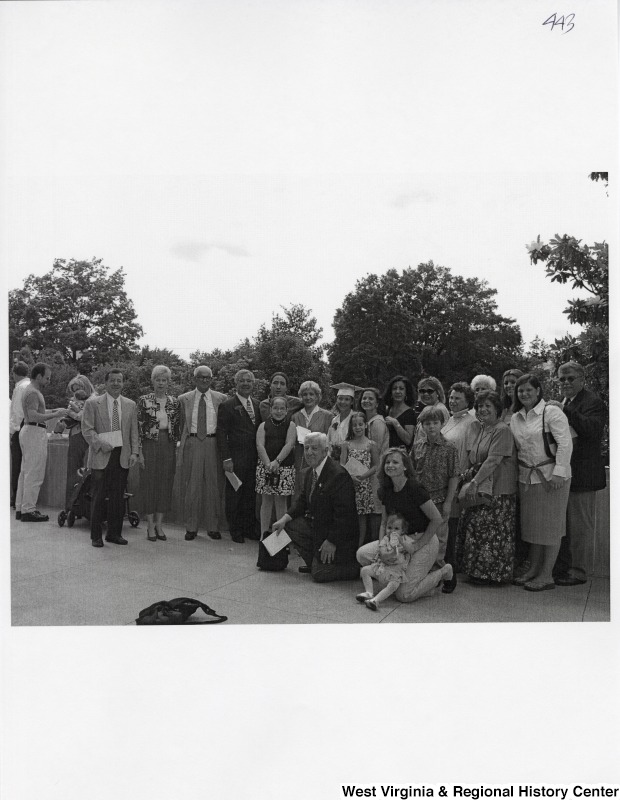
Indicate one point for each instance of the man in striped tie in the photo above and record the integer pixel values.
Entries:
(110, 426)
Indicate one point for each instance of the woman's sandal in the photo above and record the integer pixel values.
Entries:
(520, 581)
(159, 535)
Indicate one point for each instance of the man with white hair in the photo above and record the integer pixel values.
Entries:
(238, 420)
(322, 521)
(201, 468)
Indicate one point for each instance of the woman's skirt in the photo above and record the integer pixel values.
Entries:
(543, 513)
(157, 477)
(281, 484)
(487, 539)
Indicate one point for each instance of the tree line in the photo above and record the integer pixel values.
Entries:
(419, 321)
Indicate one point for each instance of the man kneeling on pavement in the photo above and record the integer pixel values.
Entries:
(322, 522)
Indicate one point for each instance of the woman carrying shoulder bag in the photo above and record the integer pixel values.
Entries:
(544, 447)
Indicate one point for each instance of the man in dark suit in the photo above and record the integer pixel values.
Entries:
(238, 419)
(108, 419)
(587, 416)
(322, 522)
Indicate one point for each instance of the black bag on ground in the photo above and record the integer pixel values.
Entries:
(269, 563)
(177, 612)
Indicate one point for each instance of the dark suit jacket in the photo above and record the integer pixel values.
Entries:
(587, 415)
(332, 509)
(236, 433)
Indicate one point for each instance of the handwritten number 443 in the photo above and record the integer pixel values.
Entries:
(562, 21)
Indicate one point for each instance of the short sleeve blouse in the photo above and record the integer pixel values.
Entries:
(408, 417)
(407, 502)
(497, 441)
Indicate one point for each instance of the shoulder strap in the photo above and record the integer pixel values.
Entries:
(546, 435)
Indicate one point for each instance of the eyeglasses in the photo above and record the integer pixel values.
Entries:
(567, 379)
(428, 391)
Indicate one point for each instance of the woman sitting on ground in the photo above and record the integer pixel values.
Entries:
(402, 494)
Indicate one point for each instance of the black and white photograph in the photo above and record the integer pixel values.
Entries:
(308, 343)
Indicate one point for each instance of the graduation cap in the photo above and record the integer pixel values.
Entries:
(346, 389)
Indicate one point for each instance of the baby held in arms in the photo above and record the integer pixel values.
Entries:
(390, 563)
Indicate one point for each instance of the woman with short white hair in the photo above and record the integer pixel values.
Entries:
(158, 428)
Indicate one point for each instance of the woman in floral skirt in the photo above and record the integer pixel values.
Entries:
(487, 532)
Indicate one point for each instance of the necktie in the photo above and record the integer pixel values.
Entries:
(115, 422)
(314, 480)
(201, 429)
(251, 411)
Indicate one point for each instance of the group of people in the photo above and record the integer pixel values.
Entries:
(497, 486)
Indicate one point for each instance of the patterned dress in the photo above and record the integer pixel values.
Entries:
(392, 560)
(281, 482)
(486, 536)
(364, 501)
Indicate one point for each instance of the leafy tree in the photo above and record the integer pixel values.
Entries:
(567, 260)
(77, 306)
(296, 321)
(423, 320)
(585, 267)
(287, 352)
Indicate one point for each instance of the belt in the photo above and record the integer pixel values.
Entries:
(208, 435)
(536, 469)
(38, 424)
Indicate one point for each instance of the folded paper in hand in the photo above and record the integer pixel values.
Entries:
(114, 438)
(355, 467)
(302, 433)
(233, 480)
(276, 542)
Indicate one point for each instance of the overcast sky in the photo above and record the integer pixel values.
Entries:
(233, 160)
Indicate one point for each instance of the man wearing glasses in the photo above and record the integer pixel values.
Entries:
(587, 415)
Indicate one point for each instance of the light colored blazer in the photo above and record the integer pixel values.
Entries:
(187, 406)
(95, 420)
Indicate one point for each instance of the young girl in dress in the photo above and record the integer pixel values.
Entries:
(275, 471)
(390, 563)
(359, 452)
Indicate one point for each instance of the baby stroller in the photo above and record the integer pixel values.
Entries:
(81, 499)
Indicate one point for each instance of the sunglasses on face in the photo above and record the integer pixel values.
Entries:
(428, 391)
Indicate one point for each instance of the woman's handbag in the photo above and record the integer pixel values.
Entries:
(548, 440)
(469, 500)
(269, 563)
(177, 612)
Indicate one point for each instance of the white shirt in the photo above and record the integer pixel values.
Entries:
(110, 401)
(211, 415)
(456, 430)
(338, 430)
(319, 469)
(526, 428)
(17, 412)
(306, 417)
(244, 403)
